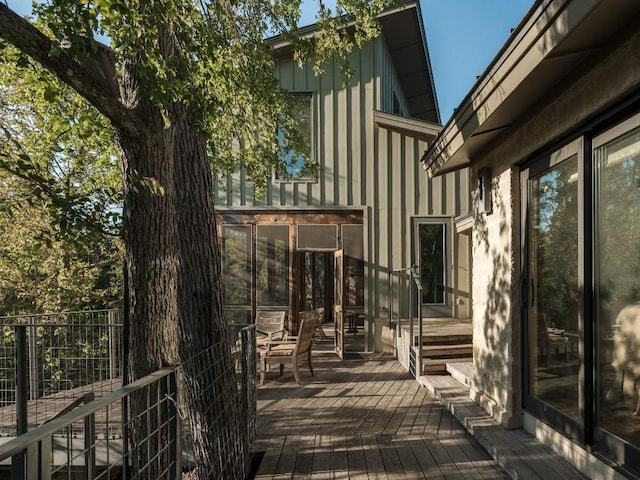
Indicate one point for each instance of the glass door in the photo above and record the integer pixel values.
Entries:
(432, 236)
(617, 295)
(552, 307)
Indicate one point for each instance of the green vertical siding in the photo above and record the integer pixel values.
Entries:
(362, 165)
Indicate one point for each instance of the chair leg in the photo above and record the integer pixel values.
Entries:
(309, 362)
(296, 373)
(281, 369)
(263, 369)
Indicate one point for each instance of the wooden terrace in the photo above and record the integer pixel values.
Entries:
(362, 417)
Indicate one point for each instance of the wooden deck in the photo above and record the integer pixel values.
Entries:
(363, 417)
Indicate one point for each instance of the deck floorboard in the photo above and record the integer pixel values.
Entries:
(362, 417)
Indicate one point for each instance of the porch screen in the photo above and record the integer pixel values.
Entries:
(352, 245)
(236, 264)
(272, 264)
(318, 237)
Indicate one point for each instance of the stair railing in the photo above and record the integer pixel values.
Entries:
(415, 275)
(417, 285)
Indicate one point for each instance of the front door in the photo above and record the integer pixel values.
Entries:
(338, 303)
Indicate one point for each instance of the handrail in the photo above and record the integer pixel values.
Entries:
(417, 284)
(56, 314)
(18, 444)
(416, 278)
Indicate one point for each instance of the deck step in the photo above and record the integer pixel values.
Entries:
(446, 339)
(448, 351)
(438, 366)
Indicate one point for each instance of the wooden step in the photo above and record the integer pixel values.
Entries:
(434, 366)
(446, 339)
(448, 351)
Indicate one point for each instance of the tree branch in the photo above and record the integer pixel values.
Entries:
(31, 41)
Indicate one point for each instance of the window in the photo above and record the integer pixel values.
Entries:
(236, 264)
(433, 254)
(297, 169)
(318, 237)
(582, 297)
(272, 265)
(553, 307)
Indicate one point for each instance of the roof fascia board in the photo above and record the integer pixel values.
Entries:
(542, 29)
(278, 42)
(412, 126)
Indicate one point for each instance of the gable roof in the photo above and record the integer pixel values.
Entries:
(554, 39)
(403, 31)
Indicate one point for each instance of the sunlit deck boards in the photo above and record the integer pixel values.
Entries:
(42, 409)
(363, 417)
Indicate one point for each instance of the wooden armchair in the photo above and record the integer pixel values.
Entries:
(294, 349)
(551, 340)
(270, 326)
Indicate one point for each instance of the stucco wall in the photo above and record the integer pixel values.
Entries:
(496, 332)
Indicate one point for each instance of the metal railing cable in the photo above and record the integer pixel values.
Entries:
(96, 438)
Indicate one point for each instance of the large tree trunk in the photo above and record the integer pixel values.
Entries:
(209, 376)
(172, 255)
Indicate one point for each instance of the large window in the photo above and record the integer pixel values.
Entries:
(296, 165)
(554, 287)
(617, 236)
(582, 291)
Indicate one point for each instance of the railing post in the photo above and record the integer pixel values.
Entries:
(400, 306)
(248, 394)
(18, 463)
(89, 440)
(419, 362)
(113, 373)
(175, 457)
(33, 359)
(390, 297)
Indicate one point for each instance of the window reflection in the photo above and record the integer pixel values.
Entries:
(553, 309)
(618, 285)
(432, 262)
(236, 264)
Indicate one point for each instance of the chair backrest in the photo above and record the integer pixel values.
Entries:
(307, 328)
(270, 321)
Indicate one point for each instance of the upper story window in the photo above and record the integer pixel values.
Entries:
(296, 167)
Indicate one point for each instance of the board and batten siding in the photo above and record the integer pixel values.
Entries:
(363, 165)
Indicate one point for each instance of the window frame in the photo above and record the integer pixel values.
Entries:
(312, 140)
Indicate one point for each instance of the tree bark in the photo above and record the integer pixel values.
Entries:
(172, 254)
(203, 329)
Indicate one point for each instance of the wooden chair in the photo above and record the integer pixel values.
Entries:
(294, 349)
(270, 326)
(551, 341)
(318, 317)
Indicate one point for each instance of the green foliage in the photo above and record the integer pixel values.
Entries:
(217, 63)
(59, 195)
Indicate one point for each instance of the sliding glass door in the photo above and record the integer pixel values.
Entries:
(581, 291)
(553, 288)
(617, 237)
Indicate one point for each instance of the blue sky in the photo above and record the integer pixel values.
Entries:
(463, 36)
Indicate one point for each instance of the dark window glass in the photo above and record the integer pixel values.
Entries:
(296, 164)
(272, 264)
(432, 262)
(618, 285)
(236, 264)
(554, 287)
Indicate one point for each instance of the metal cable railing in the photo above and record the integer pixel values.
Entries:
(108, 438)
(61, 357)
(415, 344)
